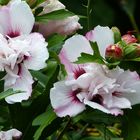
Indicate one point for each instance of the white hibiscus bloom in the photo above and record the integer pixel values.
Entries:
(92, 84)
(20, 49)
(64, 100)
(29, 52)
(109, 91)
(64, 26)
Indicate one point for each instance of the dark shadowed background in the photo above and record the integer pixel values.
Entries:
(106, 12)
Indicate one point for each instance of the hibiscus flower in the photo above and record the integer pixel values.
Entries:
(21, 50)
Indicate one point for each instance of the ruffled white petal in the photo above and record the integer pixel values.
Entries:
(116, 102)
(96, 106)
(38, 52)
(7, 55)
(4, 20)
(129, 84)
(23, 83)
(16, 19)
(74, 46)
(104, 37)
(63, 102)
(81, 82)
(64, 60)
(21, 16)
(134, 97)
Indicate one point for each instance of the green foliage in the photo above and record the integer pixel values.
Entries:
(117, 34)
(55, 15)
(3, 2)
(130, 124)
(43, 121)
(7, 93)
(55, 43)
(34, 3)
(35, 118)
(87, 58)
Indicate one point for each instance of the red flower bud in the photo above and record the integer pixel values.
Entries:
(114, 52)
(129, 38)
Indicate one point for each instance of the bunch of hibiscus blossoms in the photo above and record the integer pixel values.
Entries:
(101, 67)
(23, 50)
(94, 77)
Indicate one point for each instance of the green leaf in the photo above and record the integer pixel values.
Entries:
(122, 44)
(55, 43)
(55, 39)
(39, 1)
(44, 77)
(40, 119)
(131, 124)
(117, 34)
(128, 50)
(95, 49)
(35, 3)
(93, 138)
(43, 120)
(113, 65)
(55, 15)
(50, 70)
(105, 131)
(5, 119)
(135, 59)
(99, 121)
(99, 117)
(40, 77)
(87, 58)
(4, 2)
(100, 138)
(7, 93)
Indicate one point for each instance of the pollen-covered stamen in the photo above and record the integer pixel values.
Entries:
(78, 72)
(98, 99)
(13, 34)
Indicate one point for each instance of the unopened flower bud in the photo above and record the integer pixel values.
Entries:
(129, 38)
(114, 52)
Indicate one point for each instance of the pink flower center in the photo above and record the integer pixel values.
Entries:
(117, 94)
(13, 34)
(26, 57)
(98, 99)
(78, 72)
(74, 93)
